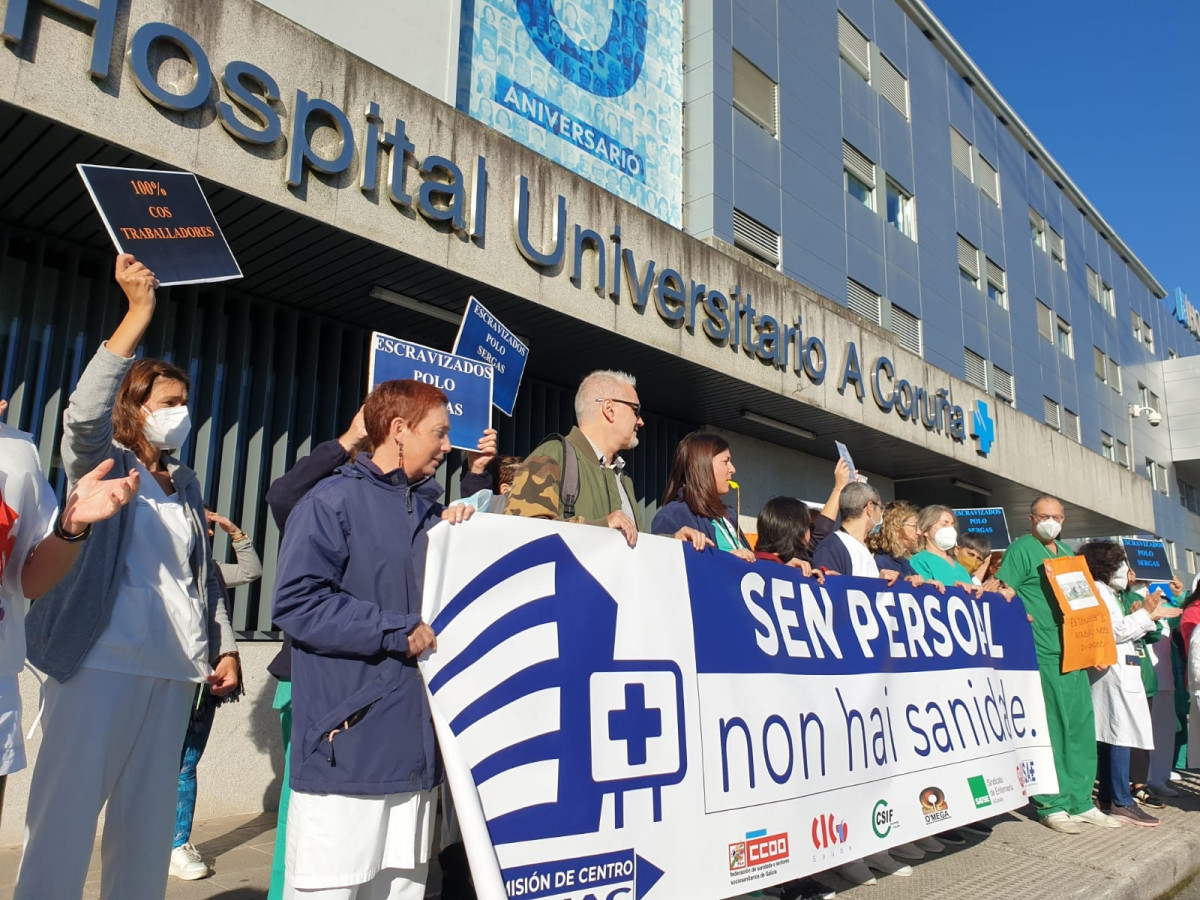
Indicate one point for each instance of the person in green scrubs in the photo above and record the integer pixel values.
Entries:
(1067, 695)
(936, 562)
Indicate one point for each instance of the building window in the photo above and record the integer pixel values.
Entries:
(1057, 252)
(907, 328)
(755, 94)
(1093, 283)
(975, 367)
(863, 301)
(900, 210)
(1169, 546)
(1171, 354)
(755, 238)
(1147, 397)
(989, 180)
(1045, 321)
(1108, 447)
(1157, 475)
(1148, 335)
(893, 85)
(1106, 299)
(997, 285)
(961, 154)
(1114, 375)
(859, 176)
(968, 263)
(1002, 385)
(1066, 343)
(1122, 454)
(1101, 364)
(1051, 414)
(1136, 322)
(1071, 425)
(1189, 498)
(1161, 480)
(1037, 229)
(854, 47)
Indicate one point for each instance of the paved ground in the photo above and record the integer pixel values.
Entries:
(1020, 860)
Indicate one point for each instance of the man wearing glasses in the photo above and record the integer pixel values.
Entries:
(607, 417)
(1068, 696)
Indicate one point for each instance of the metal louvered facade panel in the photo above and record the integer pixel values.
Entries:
(968, 256)
(854, 46)
(989, 180)
(863, 301)
(755, 93)
(755, 238)
(1045, 321)
(858, 164)
(1070, 425)
(1002, 385)
(976, 369)
(1050, 414)
(960, 154)
(893, 85)
(907, 328)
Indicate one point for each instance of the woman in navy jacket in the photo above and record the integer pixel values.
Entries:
(363, 757)
(699, 479)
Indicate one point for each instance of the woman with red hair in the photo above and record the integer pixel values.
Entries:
(364, 763)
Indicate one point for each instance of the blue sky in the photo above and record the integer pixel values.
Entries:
(1109, 88)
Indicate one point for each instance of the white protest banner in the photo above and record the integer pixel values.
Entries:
(662, 722)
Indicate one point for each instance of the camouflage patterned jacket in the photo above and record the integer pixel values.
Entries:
(536, 485)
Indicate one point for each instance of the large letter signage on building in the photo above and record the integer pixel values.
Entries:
(660, 722)
(595, 85)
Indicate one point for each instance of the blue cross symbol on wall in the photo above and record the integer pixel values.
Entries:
(983, 428)
(635, 724)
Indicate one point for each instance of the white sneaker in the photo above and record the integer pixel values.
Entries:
(883, 862)
(1174, 776)
(187, 865)
(1061, 822)
(1095, 817)
(1163, 790)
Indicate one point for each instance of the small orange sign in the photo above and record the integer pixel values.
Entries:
(1087, 635)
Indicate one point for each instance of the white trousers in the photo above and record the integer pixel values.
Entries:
(358, 848)
(107, 737)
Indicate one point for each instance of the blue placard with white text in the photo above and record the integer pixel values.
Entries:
(1148, 559)
(482, 336)
(466, 382)
(987, 521)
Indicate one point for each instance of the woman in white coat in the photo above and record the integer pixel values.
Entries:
(1118, 694)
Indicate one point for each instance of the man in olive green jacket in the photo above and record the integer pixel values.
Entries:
(608, 415)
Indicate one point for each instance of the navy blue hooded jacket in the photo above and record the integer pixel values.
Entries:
(677, 514)
(348, 592)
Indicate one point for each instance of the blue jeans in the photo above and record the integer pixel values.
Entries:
(194, 743)
(1112, 771)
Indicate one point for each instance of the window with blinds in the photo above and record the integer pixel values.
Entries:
(976, 369)
(893, 85)
(960, 154)
(1066, 341)
(1002, 385)
(854, 47)
(755, 94)
(907, 328)
(1106, 299)
(1161, 480)
(1148, 335)
(1045, 321)
(863, 301)
(1093, 284)
(1114, 375)
(1122, 454)
(1070, 425)
(1037, 228)
(755, 238)
(997, 281)
(1136, 321)
(1050, 414)
(859, 175)
(989, 180)
(1057, 252)
(1101, 362)
(968, 262)
(1108, 447)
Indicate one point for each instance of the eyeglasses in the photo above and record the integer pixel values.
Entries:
(1047, 518)
(636, 407)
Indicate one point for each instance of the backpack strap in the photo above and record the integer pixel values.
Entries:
(569, 492)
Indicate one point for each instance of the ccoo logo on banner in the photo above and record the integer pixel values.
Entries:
(660, 722)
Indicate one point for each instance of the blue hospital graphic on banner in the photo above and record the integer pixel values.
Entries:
(595, 85)
(661, 722)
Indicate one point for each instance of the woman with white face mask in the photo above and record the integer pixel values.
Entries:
(127, 635)
(1118, 693)
(936, 561)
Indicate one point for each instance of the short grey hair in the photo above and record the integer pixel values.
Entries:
(595, 386)
(854, 499)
